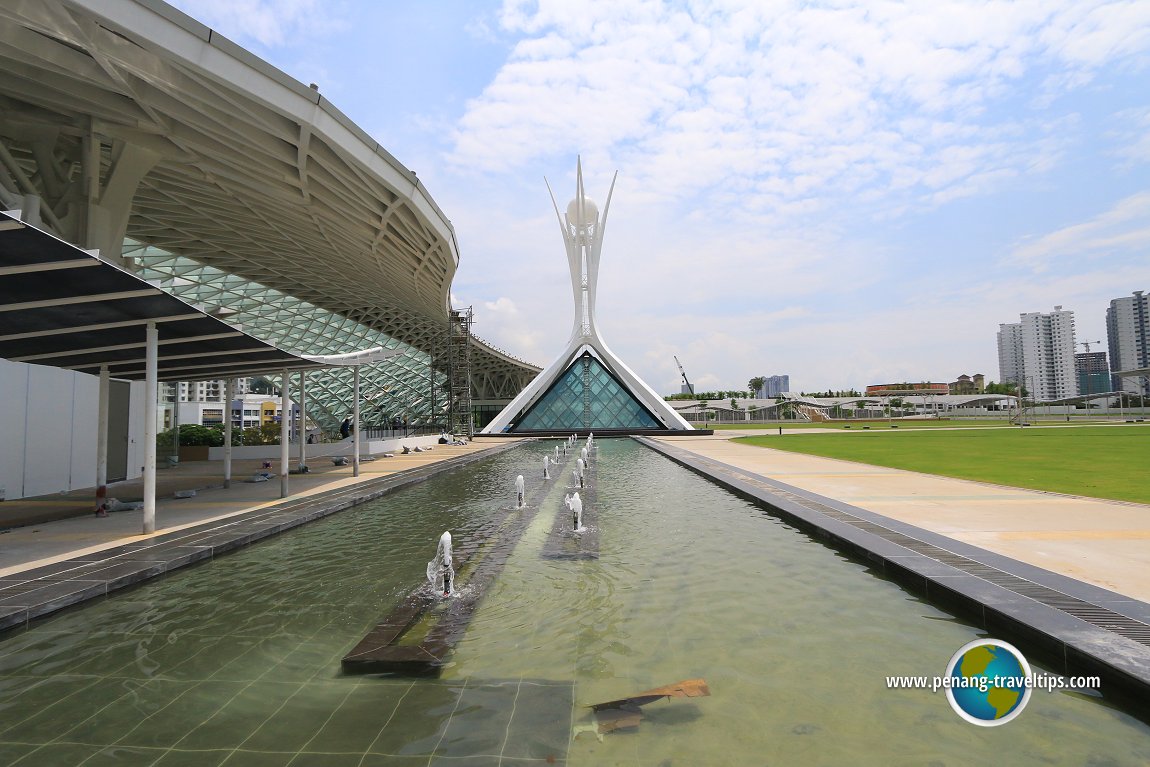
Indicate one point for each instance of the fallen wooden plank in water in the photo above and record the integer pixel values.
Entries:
(625, 712)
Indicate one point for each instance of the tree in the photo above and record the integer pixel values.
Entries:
(756, 384)
(1007, 387)
(266, 434)
(195, 435)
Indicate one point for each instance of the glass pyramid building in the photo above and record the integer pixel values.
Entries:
(586, 396)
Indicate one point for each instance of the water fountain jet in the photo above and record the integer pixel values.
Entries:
(575, 504)
(440, 572)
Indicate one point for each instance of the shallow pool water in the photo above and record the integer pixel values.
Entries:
(237, 661)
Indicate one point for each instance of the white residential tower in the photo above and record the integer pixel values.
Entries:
(1039, 351)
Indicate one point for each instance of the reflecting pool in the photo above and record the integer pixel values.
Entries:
(237, 661)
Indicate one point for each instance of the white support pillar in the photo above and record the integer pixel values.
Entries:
(151, 392)
(102, 443)
(285, 419)
(301, 431)
(355, 427)
(229, 394)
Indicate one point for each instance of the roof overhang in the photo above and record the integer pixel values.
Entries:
(65, 307)
(250, 170)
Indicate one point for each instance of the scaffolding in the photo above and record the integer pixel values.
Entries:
(459, 416)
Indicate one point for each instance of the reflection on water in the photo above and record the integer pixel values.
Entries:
(237, 661)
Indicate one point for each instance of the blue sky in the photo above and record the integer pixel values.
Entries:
(848, 193)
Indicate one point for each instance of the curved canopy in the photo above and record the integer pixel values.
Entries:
(128, 119)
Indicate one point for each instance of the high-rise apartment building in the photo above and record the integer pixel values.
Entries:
(1009, 352)
(1038, 351)
(1128, 338)
(1093, 372)
(774, 386)
(210, 391)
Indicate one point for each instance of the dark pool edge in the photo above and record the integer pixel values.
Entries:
(1071, 645)
(40, 592)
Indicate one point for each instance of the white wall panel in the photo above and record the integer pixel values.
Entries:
(48, 443)
(48, 419)
(13, 393)
(136, 431)
(85, 428)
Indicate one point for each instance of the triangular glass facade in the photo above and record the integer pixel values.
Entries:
(586, 396)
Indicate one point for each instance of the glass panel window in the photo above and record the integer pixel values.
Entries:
(587, 396)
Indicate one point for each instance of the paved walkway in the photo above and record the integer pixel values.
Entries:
(34, 545)
(1106, 543)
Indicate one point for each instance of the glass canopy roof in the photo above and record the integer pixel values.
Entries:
(404, 386)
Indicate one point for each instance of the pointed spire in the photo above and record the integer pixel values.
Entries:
(581, 197)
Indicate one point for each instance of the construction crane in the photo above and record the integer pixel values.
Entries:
(1086, 344)
(683, 373)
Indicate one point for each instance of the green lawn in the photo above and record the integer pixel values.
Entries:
(915, 424)
(1099, 461)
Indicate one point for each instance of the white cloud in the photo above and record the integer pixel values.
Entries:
(269, 22)
(1123, 229)
(503, 305)
(1132, 135)
(791, 108)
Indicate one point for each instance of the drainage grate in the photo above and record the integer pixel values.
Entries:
(1093, 614)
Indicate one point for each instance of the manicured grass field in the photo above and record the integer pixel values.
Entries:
(1099, 461)
(883, 424)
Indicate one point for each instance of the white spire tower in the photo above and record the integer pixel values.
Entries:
(586, 386)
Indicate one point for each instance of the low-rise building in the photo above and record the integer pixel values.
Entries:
(965, 384)
(895, 389)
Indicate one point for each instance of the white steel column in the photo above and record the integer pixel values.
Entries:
(151, 392)
(285, 419)
(355, 426)
(301, 431)
(102, 443)
(229, 393)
